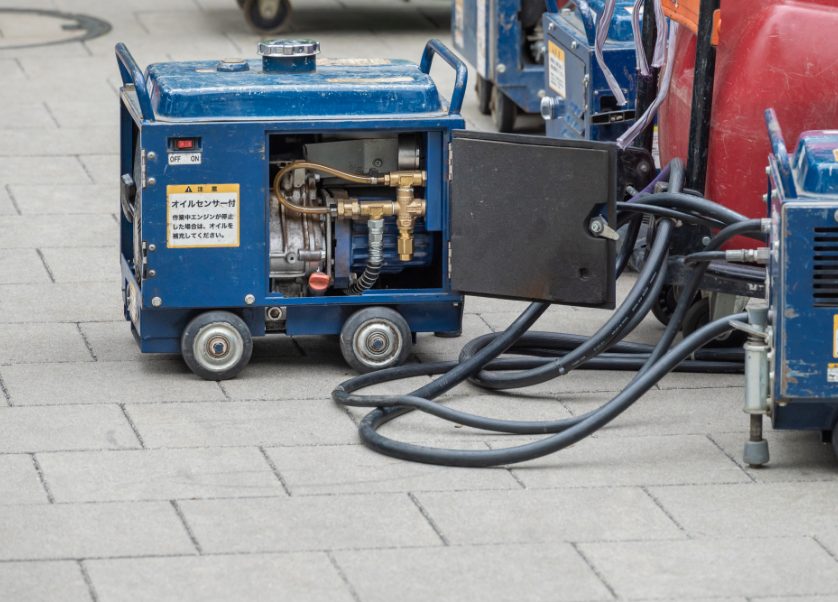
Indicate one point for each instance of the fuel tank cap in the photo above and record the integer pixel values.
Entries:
(289, 55)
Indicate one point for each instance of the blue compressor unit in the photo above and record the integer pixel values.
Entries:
(803, 279)
(289, 195)
(578, 103)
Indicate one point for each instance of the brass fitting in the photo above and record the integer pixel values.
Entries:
(406, 208)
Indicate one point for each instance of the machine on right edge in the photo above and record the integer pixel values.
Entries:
(797, 383)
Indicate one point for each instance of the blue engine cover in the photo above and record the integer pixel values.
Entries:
(804, 280)
(583, 105)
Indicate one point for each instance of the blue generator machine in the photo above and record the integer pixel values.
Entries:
(289, 195)
(505, 42)
(502, 39)
(578, 102)
(796, 381)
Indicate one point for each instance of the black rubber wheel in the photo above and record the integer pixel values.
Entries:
(216, 345)
(375, 338)
(698, 315)
(835, 440)
(483, 87)
(503, 111)
(665, 304)
(267, 16)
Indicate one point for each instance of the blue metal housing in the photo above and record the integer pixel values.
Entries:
(234, 113)
(489, 34)
(581, 104)
(803, 279)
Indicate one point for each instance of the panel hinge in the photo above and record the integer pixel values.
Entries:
(142, 168)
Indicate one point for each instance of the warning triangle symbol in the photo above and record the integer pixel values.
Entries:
(188, 189)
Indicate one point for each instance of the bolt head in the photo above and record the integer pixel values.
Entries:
(574, 45)
(249, 299)
(835, 216)
(596, 226)
(500, 68)
(705, 241)
(152, 273)
(151, 155)
(767, 170)
(151, 181)
(156, 301)
(152, 247)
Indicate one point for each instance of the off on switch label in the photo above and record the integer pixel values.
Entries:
(202, 215)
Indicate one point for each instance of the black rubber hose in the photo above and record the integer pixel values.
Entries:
(704, 257)
(510, 455)
(705, 207)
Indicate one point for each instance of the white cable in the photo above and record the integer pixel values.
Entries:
(648, 116)
(603, 24)
(639, 53)
(659, 55)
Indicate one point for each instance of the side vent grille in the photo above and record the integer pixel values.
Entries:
(825, 270)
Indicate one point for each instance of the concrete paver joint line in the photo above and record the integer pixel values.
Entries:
(428, 518)
(40, 471)
(343, 576)
(88, 581)
(595, 570)
(186, 526)
(275, 470)
(132, 425)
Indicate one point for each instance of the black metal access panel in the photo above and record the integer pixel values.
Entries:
(521, 208)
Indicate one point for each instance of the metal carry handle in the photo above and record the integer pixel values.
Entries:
(436, 47)
(778, 149)
(132, 75)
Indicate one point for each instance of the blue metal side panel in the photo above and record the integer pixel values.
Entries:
(816, 162)
(207, 277)
(586, 88)
(806, 341)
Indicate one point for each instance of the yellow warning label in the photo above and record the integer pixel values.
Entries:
(835, 153)
(835, 335)
(832, 373)
(202, 216)
(556, 74)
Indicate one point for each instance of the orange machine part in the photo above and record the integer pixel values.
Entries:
(685, 12)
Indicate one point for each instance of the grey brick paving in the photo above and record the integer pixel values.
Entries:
(548, 515)
(43, 582)
(352, 469)
(20, 483)
(124, 477)
(107, 382)
(308, 523)
(58, 531)
(161, 474)
(255, 578)
(714, 567)
(22, 266)
(35, 429)
(42, 342)
(554, 572)
(43, 199)
(291, 422)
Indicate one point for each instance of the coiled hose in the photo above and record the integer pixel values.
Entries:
(553, 355)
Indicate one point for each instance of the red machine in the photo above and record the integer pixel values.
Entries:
(770, 53)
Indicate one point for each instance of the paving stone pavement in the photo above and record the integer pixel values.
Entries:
(125, 478)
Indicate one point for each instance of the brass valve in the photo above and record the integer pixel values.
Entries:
(406, 207)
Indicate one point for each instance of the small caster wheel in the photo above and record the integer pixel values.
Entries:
(267, 16)
(483, 87)
(698, 315)
(375, 338)
(216, 345)
(665, 304)
(503, 111)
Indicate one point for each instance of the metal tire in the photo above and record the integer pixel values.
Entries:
(375, 338)
(267, 24)
(216, 345)
(503, 111)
